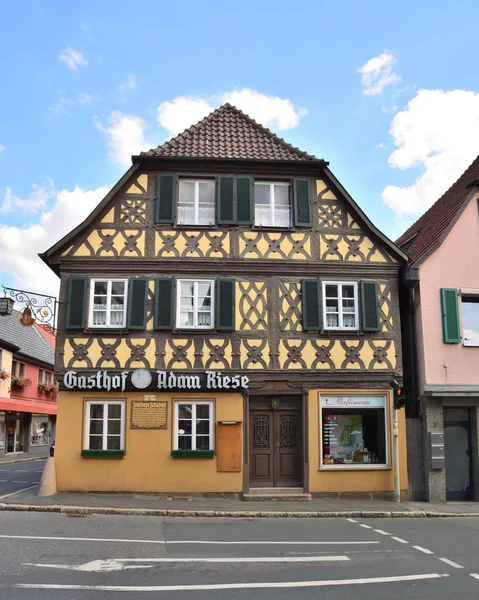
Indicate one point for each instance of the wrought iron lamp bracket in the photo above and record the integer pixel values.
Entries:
(44, 308)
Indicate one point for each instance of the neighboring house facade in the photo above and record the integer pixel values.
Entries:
(441, 322)
(229, 321)
(28, 391)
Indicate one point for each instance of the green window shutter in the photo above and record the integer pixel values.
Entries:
(244, 200)
(226, 209)
(76, 302)
(164, 302)
(225, 304)
(302, 203)
(370, 305)
(311, 301)
(165, 198)
(137, 303)
(451, 328)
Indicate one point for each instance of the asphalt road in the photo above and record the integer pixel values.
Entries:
(18, 476)
(57, 557)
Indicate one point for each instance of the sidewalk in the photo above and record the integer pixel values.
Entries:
(181, 506)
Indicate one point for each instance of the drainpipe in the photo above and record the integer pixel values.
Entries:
(410, 280)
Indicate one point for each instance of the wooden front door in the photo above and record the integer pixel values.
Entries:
(275, 448)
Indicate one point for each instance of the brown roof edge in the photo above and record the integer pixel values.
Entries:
(328, 173)
(46, 256)
(137, 158)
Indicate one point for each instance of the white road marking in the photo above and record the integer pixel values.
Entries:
(214, 542)
(399, 540)
(121, 564)
(3, 480)
(381, 532)
(20, 471)
(451, 562)
(17, 492)
(421, 549)
(16, 481)
(351, 520)
(229, 586)
(365, 526)
(475, 575)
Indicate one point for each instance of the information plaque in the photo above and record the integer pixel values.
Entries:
(149, 415)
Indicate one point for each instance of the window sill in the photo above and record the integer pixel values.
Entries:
(184, 330)
(192, 454)
(106, 330)
(471, 344)
(193, 227)
(357, 467)
(103, 453)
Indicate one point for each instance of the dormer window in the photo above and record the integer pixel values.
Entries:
(272, 204)
(196, 202)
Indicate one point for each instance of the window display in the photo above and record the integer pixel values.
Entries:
(353, 430)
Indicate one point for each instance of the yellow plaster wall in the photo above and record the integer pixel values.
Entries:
(148, 465)
(351, 480)
(6, 365)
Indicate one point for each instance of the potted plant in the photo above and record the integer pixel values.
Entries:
(51, 388)
(4, 374)
(41, 387)
(21, 381)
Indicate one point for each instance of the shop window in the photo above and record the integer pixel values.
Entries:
(354, 431)
(193, 426)
(105, 425)
(39, 432)
(195, 306)
(196, 202)
(470, 320)
(108, 303)
(272, 205)
(340, 305)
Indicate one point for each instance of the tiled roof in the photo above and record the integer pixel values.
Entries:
(31, 342)
(227, 133)
(427, 231)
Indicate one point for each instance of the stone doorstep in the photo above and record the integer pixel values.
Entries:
(276, 494)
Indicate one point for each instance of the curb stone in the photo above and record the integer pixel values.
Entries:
(151, 512)
(21, 460)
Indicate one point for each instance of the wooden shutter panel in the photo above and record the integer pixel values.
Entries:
(244, 200)
(311, 301)
(137, 303)
(76, 302)
(225, 304)
(451, 328)
(302, 203)
(226, 211)
(370, 305)
(165, 198)
(164, 302)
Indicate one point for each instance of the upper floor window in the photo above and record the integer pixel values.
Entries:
(108, 303)
(196, 202)
(45, 376)
(272, 205)
(195, 307)
(340, 305)
(470, 319)
(18, 369)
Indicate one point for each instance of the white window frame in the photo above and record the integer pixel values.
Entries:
(467, 295)
(196, 202)
(195, 304)
(273, 203)
(356, 466)
(89, 403)
(108, 303)
(48, 430)
(194, 404)
(19, 369)
(340, 305)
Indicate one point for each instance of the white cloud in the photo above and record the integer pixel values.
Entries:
(19, 246)
(85, 99)
(72, 58)
(378, 73)
(125, 136)
(37, 199)
(439, 131)
(130, 84)
(271, 111)
(64, 104)
(2, 148)
(381, 145)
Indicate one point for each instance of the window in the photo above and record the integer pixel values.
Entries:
(195, 306)
(193, 426)
(108, 303)
(196, 202)
(353, 431)
(105, 426)
(18, 369)
(470, 320)
(44, 376)
(39, 431)
(340, 305)
(272, 205)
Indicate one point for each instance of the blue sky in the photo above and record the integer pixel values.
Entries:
(86, 84)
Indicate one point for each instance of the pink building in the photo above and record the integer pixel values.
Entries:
(440, 308)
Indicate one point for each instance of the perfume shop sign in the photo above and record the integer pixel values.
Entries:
(142, 379)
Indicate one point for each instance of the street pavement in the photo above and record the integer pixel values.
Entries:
(58, 557)
(15, 477)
